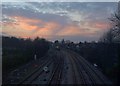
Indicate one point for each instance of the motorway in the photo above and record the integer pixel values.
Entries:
(63, 67)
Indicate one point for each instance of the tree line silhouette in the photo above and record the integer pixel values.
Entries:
(18, 51)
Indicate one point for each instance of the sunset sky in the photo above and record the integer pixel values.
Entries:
(75, 21)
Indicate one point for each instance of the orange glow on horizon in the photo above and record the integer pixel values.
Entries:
(31, 28)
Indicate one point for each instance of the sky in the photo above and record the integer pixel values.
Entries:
(75, 21)
(60, 0)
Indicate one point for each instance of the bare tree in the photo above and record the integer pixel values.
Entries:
(113, 35)
(107, 37)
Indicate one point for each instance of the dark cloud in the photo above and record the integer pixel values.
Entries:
(81, 15)
(32, 15)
